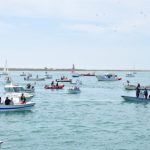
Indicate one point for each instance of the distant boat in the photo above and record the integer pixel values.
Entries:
(5, 72)
(23, 74)
(108, 77)
(74, 90)
(74, 74)
(87, 74)
(34, 79)
(47, 76)
(130, 74)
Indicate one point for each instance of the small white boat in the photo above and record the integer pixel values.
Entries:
(1, 142)
(135, 99)
(130, 74)
(23, 74)
(74, 90)
(108, 77)
(16, 107)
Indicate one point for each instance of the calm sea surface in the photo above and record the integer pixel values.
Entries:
(96, 119)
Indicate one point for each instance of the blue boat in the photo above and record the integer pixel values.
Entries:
(17, 107)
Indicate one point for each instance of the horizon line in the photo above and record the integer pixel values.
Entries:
(68, 69)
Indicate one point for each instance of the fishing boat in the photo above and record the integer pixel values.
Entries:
(64, 79)
(74, 73)
(23, 74)
(135, 99)
(74, 90)
(16, 107)
(87, 74)
(130, 74)
(34, 79)
(108, 77)
(54, 87)
(16, 91)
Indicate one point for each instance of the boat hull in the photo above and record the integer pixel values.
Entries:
(135, 99)
(16, 107)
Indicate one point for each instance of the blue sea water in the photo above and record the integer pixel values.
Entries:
(96, 119)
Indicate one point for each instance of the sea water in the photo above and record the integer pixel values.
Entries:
(96, 119)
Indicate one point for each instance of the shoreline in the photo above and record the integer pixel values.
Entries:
(91, 70)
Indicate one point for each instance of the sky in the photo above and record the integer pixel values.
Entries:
(92, 34)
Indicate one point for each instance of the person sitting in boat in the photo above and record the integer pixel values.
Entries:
(7, 101)
(11, 101)
(145, 93)
(52, 83)
(23, 99)
(28, 86)
(128, 82)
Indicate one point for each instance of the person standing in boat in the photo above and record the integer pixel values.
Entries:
(138, 90)
(23, 99)
(145, 93)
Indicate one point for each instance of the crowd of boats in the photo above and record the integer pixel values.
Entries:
(14, 92)
(20, 98)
